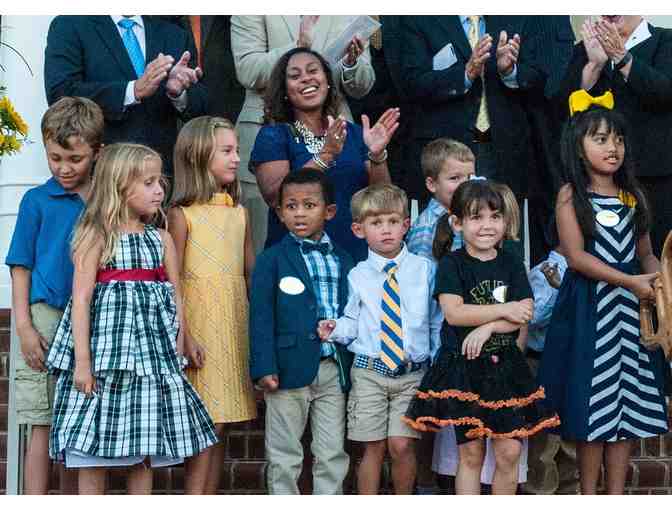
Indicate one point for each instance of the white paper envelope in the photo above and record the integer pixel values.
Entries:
(363, 26)
(444, 58)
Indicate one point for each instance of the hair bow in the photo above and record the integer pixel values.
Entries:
(580, 101)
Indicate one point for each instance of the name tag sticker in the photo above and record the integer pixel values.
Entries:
(291, 285)
(607, 218)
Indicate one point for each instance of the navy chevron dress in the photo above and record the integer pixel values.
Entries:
(603, 383)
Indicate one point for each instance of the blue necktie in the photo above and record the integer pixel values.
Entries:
(391, 332)
(132, 46)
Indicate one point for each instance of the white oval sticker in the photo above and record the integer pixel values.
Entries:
(291, 285)
(500, 293)
(608, 218)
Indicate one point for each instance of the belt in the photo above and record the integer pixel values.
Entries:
(376, 365)
(126, 275)
(482, 136)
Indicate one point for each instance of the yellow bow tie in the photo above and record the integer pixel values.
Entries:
(580, 101)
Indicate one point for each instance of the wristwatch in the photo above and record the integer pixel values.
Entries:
(623, 62)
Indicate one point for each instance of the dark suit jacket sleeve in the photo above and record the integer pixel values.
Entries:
(530, 66)
(652, 83)
(421, 82)
(64, 70)
(262, 317)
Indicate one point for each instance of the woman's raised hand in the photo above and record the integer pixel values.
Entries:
(377, 137)
(306, 31)
(334, 137)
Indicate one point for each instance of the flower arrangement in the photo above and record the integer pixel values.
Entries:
(13, 129)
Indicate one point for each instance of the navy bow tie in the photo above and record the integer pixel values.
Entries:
(323, 248)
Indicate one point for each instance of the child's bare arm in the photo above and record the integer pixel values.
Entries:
(33, 346)
(84, 280)
(647, 260)
(457, 313)
(173, 272)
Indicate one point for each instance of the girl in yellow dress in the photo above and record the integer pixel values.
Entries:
(211, 231)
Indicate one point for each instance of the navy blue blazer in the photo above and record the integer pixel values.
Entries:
(86, 57)
(283, 326)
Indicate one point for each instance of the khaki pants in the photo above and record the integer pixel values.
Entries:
(287, 413)
(35, 390)
(552, 467)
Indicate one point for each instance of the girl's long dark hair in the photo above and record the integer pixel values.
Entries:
(468, 199)
(573, 158)
(277, 108)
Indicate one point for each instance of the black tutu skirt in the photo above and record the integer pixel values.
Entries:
(494, 395)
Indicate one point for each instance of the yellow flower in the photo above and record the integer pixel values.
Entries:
(2, 140)
(17, 120)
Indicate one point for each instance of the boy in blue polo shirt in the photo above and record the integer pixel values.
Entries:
(41, 269)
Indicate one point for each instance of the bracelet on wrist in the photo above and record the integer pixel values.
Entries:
(382, 159)
(321, 163)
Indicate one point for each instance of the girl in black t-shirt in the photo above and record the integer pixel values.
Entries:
(480, 381)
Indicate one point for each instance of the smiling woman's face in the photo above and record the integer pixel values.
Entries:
(306, 82)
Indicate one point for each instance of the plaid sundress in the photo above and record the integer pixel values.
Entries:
(143, 404)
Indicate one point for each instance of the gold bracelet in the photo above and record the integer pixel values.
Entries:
(378, 161)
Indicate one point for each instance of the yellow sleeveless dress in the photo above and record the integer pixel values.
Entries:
(216, 307)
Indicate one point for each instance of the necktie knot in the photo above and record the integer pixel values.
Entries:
(323, 248)
(126, 23)
(390, 268)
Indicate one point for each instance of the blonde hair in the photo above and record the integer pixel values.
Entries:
(195, 146)
(378, 199)
(73, 116)
(511, 211)
(119, 166)
(436, 152)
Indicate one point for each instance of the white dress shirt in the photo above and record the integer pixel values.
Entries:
(180, 102)
(421, 317)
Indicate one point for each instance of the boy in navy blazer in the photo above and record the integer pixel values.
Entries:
(296, 283)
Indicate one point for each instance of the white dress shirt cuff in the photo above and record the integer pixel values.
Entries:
(129, 98)
(348, 73)
(511, 80)
(179, 102)
(345, 331)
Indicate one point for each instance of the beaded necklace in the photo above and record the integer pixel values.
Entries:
(312, 142)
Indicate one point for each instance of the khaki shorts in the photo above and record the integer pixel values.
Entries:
(377, 403)
(35, 390)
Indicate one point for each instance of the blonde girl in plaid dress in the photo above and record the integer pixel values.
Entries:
(121, 396)
(215, 255)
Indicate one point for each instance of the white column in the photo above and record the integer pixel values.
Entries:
(18, 173)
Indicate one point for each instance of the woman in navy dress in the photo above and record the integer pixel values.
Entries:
(303, 131)
(606, 387)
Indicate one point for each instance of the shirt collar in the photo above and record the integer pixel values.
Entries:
(436, 208)
(324, 239)
(378, 262)
(639, 35)
(137, 19)
(55, 189)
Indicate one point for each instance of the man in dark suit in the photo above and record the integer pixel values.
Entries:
(136, 68)
(443, 79)
(211, 36)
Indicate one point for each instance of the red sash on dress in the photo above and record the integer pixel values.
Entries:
(125, 275)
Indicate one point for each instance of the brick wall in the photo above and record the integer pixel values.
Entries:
(243, 469)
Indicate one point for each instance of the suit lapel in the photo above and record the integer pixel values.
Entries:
(296, 259)
(647, 48)
(452, 27)
(206, 25)
(109, 33)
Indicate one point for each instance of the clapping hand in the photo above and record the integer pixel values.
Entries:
(306, 31)
(507, 53)
(354, 50)
(155, 72)
(377, 137)
(594, 49)
(181, 76)
(610, 40)
(334, 138)
(479, 56)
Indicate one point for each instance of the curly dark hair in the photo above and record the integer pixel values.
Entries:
(277, 108)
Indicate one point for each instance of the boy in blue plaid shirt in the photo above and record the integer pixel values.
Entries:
(445, 164)
(295, 283)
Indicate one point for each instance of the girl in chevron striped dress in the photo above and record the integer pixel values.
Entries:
(121, 397)
(607, 388)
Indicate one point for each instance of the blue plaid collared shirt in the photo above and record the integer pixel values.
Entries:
(325, 272)
(420, 238)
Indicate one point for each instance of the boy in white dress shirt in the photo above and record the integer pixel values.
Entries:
(391, 324)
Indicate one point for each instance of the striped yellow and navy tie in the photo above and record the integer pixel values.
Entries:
(391, 332)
